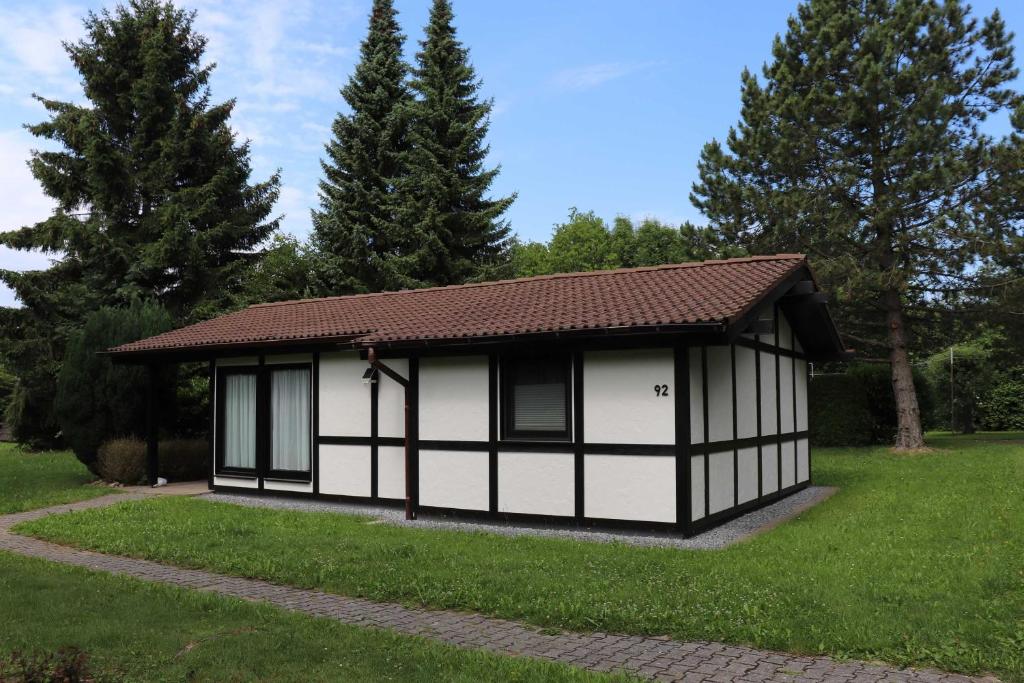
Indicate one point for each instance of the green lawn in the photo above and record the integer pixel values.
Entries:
(135, 631)
(34, 480)
(917, 560)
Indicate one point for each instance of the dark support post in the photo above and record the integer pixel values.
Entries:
(410, 421)
(152, 422)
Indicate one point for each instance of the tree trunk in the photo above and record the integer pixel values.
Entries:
(908, 414)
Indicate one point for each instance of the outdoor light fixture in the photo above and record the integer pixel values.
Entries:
(370, 376)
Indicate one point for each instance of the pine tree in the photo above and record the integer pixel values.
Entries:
(152, 191)
(445, 188)
(863, 148)
(359, 242)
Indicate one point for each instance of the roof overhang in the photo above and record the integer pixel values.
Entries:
(806, 307)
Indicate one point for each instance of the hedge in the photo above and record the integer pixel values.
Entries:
(857, 408)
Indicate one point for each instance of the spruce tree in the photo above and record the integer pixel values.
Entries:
(863, 147)
(445, 187)
(153, 193)
(359, 242)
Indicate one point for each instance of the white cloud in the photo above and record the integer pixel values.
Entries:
(295, 203)
(31, 54)
(24, 203)
(594, 75)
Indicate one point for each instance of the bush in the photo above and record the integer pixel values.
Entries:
(974, 375)
(124, 460)
(839, 411)
(97, 400)
(1003, 408)
(184, 459)
(6, 387)
(858, 408)
(67, 665)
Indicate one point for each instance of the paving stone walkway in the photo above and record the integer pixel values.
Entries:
(655, 658)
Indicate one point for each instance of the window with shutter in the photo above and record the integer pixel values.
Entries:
(536, 397)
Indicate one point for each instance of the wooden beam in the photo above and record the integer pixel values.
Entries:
(802, 287)
(804, 299)
(152, 423)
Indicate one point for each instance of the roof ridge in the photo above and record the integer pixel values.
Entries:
(550, 276)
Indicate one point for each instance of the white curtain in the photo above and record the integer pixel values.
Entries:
(240, 421)
(290, 420)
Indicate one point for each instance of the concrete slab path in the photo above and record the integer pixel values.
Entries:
(655, 658)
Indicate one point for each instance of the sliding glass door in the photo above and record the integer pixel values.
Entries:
(290, 420)
(264, 421)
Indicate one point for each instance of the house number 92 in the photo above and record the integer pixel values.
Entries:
(661, 390)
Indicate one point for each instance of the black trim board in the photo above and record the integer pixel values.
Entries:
(579, 461)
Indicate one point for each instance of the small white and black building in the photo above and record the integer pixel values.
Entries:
(672, 396)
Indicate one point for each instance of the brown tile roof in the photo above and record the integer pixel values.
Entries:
(711, 292)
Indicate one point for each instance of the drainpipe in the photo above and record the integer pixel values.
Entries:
(371, 356)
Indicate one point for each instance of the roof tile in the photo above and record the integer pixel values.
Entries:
(688, 293)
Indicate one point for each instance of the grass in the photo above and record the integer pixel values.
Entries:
(918, 560)
(135, 631)
(34, 480)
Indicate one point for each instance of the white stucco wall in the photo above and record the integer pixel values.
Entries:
(697, 487)
(238, 482)
(631, 487)
(391, 400)
(278, 359)
(788, 463)
(292, 486)
(391, 472)
(786, 393)
(801, 395)
(454, 479)
(720, 482)
(344, 399)
(746, 392)
(620, 404)
(696, 398)
(719, 393)
(768, 403)
(785, 332)
(345, 470)
(453, 399)
(747, 458)
(536, 483)
(240, 360)
(802, 460)
(769, 468)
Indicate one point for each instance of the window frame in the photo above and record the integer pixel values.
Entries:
(289, 475)
(509, 365)
(219, 466)
(264, 425)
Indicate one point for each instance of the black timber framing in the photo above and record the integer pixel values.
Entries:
(153, 423)
(735, 432)
(757, 385)
(212, 431)
(684, 485)
(778, 402)
(682, 450)
(707, 426)
(492, 433)
(413, 434)
(792, 390)
(314, 447)
(375, 437)
(579, 458)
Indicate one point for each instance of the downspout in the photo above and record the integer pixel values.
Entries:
(371, 356)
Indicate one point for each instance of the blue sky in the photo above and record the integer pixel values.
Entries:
(599, 104)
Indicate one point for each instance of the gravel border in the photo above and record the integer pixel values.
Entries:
(743, 527)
